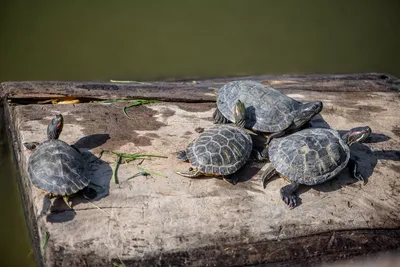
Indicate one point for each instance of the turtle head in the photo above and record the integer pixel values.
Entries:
(55, 127)
(356, 135)
(239, 111)
(306, 112)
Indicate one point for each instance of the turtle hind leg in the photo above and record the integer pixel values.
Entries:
(256, 155)
(231, 179)
(268, 174)
(288, 194)
(192, 173)
(182, 155)
(353, 167)
(218, 117)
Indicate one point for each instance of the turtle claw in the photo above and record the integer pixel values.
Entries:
(291, 201)
(66, 201)
(359, 177)
(288, 195)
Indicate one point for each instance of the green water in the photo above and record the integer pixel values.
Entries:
(128, 40)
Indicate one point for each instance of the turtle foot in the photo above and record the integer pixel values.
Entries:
(66, 200)
(219, 118)
(288, 194)
(258, 156)
(291, 201)
(230, 180)
(89, 193)
(353, 167)
(31, 145)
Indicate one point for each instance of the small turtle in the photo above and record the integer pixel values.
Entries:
(56, 167)
(312, 156)
(267, 109)
(220, 150)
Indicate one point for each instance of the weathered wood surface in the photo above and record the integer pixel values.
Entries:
(196, 90)
(177, 221)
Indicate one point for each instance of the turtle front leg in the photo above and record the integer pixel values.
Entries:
(218, 117)
(66, 200)
(192, 173)
(288, 194)
(181, 155)
(274, 135)
(268, 174)
(353, 168)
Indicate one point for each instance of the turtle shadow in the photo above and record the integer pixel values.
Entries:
(248, 171)
(367, 160)
(99, 173)
(92, 141)
(318, 121)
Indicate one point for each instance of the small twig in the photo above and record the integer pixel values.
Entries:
(137, 156)
(98, 207)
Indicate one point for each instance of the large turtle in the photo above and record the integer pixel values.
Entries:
(312, 156)
(267, 110)
(220, 150)
(56, 167)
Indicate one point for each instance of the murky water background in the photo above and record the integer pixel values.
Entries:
(102, 40)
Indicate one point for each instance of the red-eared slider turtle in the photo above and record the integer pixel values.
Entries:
(56, 167)
(267, 109)
(312, 156)
(220, 150)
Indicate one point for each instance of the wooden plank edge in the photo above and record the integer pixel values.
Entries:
(27, 204)
(299, 251)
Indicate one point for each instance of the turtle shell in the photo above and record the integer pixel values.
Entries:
(57, 168)
(311, 156)
(221, 150)
(267, 109)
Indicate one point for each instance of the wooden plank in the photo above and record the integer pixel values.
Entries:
(152, 221)
(196, 90)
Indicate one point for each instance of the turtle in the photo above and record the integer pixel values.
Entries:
(57, 168)
(220, 150)
(267, 109)
(312, 156)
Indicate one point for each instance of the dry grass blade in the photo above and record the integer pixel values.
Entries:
(117, 162)
(46, 239)
(138, 102)
(152, 172)
(131, 157)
